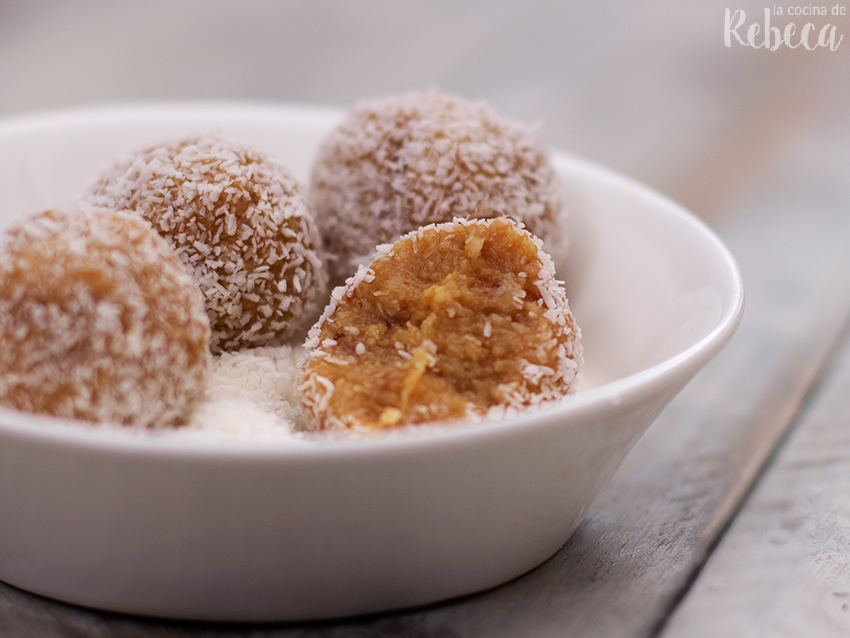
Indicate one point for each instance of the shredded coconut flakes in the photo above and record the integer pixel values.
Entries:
(99, 321)
(422, 158)
(241, 226)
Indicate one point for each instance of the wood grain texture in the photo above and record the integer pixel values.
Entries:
(784, 567)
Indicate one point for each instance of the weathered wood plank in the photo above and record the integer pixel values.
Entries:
(783, 569)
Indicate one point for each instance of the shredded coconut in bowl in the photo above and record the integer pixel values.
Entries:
(252, 393)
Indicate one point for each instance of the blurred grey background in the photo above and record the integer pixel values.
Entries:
(645, 87)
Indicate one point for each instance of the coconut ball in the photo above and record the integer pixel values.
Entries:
(398, 163)
(99, 321)
(240, 224)
(454, 321)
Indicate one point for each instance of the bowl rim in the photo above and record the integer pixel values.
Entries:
(625, 390)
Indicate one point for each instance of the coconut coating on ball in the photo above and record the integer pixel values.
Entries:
(454, 321)
(241, 225)
(401, 162)
(99, 321)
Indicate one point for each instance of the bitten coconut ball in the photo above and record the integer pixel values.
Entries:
(242, 227)
(99, 321)
(455, 321)
(399, 163)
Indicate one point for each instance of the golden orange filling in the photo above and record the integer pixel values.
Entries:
(450, 322)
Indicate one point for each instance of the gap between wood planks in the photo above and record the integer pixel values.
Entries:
(793, 413)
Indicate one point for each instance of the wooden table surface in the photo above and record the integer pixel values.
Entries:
(731, 517)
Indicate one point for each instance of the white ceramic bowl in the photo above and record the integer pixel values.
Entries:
(260, 531)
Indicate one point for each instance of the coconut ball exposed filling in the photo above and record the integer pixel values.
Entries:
(241, 226)
(399, 163)
(99, 321)
(454, 320)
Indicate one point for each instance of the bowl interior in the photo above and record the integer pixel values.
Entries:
(650, 286)
(378, 523)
